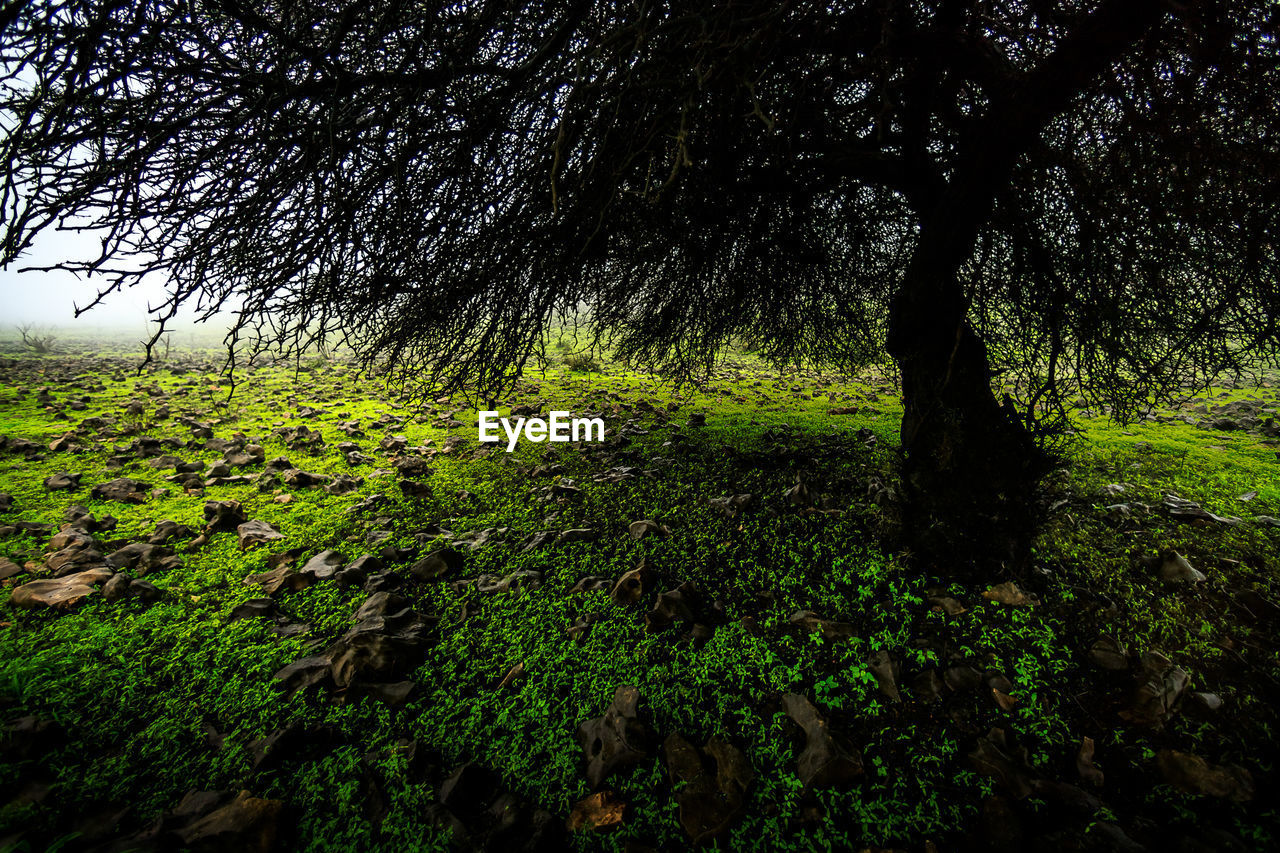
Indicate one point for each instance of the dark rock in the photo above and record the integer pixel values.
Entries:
(62, 593)
(887, 671)
(166, 530)
(591, 583)
(62, 482)
(122, 489)
(993, 756)
(828, 759)
(223, 516)
(255, 608)
(324, 565)
(633, 585)
(298, 479)
(140, 558)
(116, 588)
(716, 780)
(415, 489)
(676, 605)
(144, 591)
(437, 564)
(1194, 775)
(1158, 693)
(615, 740)
(832, 631)
(254, 533)
(648, 527)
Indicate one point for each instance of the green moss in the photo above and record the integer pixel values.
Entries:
(137, 685)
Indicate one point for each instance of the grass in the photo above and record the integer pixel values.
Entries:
(137, 687)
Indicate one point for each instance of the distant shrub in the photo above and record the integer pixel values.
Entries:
(36, 342)
(581, 362)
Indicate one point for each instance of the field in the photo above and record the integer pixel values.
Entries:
(413, 647)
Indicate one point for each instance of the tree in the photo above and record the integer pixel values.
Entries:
(1082, 193)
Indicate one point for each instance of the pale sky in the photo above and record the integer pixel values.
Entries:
(49, 299)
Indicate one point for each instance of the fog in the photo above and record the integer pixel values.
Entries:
(51, 298)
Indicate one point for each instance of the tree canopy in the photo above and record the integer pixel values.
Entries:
(435, 181)
(1081, 195)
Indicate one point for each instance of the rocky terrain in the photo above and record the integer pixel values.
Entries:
(314, 615)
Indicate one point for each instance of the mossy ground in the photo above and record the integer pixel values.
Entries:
(135, 685)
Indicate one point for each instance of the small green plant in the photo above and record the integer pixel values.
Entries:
(581, 362)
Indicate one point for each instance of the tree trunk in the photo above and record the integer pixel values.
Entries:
(971, 467)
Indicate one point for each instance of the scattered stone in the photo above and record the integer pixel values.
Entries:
(213, 820)
(142, 558)
(251, 534)
(1193, 774)
(600, 812)
(62, 482)
(828, 759)
(517, 581)
(1159, 692)
(540, 539)
(1175, 569)
(575, 534)
(1084, 763)
(116, 588)
(255, 608)
(591, 583)
(927, 686)
(947, 605)
(962, 678)
(1181, 509)
(223, 516)
(437, 564)
(144, 590)
(615, 740)
(581, 626)
(344, 485)
(632, 585)
(831, 630)
(8, 568)
(1009, 766)
(731, 506)
(283, 577)
(715, 780)
(647, 527)
(61, 593)
(323, 565)
(1108, 653)
(295, 478)
(676, 605)
(252, 454)
(414, 489)
(887, 671)
(1008, 593)
(166, 530)
(1206, 703)
(122, 489)
(481, 814)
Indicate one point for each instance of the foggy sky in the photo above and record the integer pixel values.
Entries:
(49, 299)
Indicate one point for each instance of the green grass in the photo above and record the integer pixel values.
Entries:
(136, 685)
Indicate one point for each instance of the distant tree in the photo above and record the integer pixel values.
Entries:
(1083, 193)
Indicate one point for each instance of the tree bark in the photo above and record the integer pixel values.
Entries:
(970, 465)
